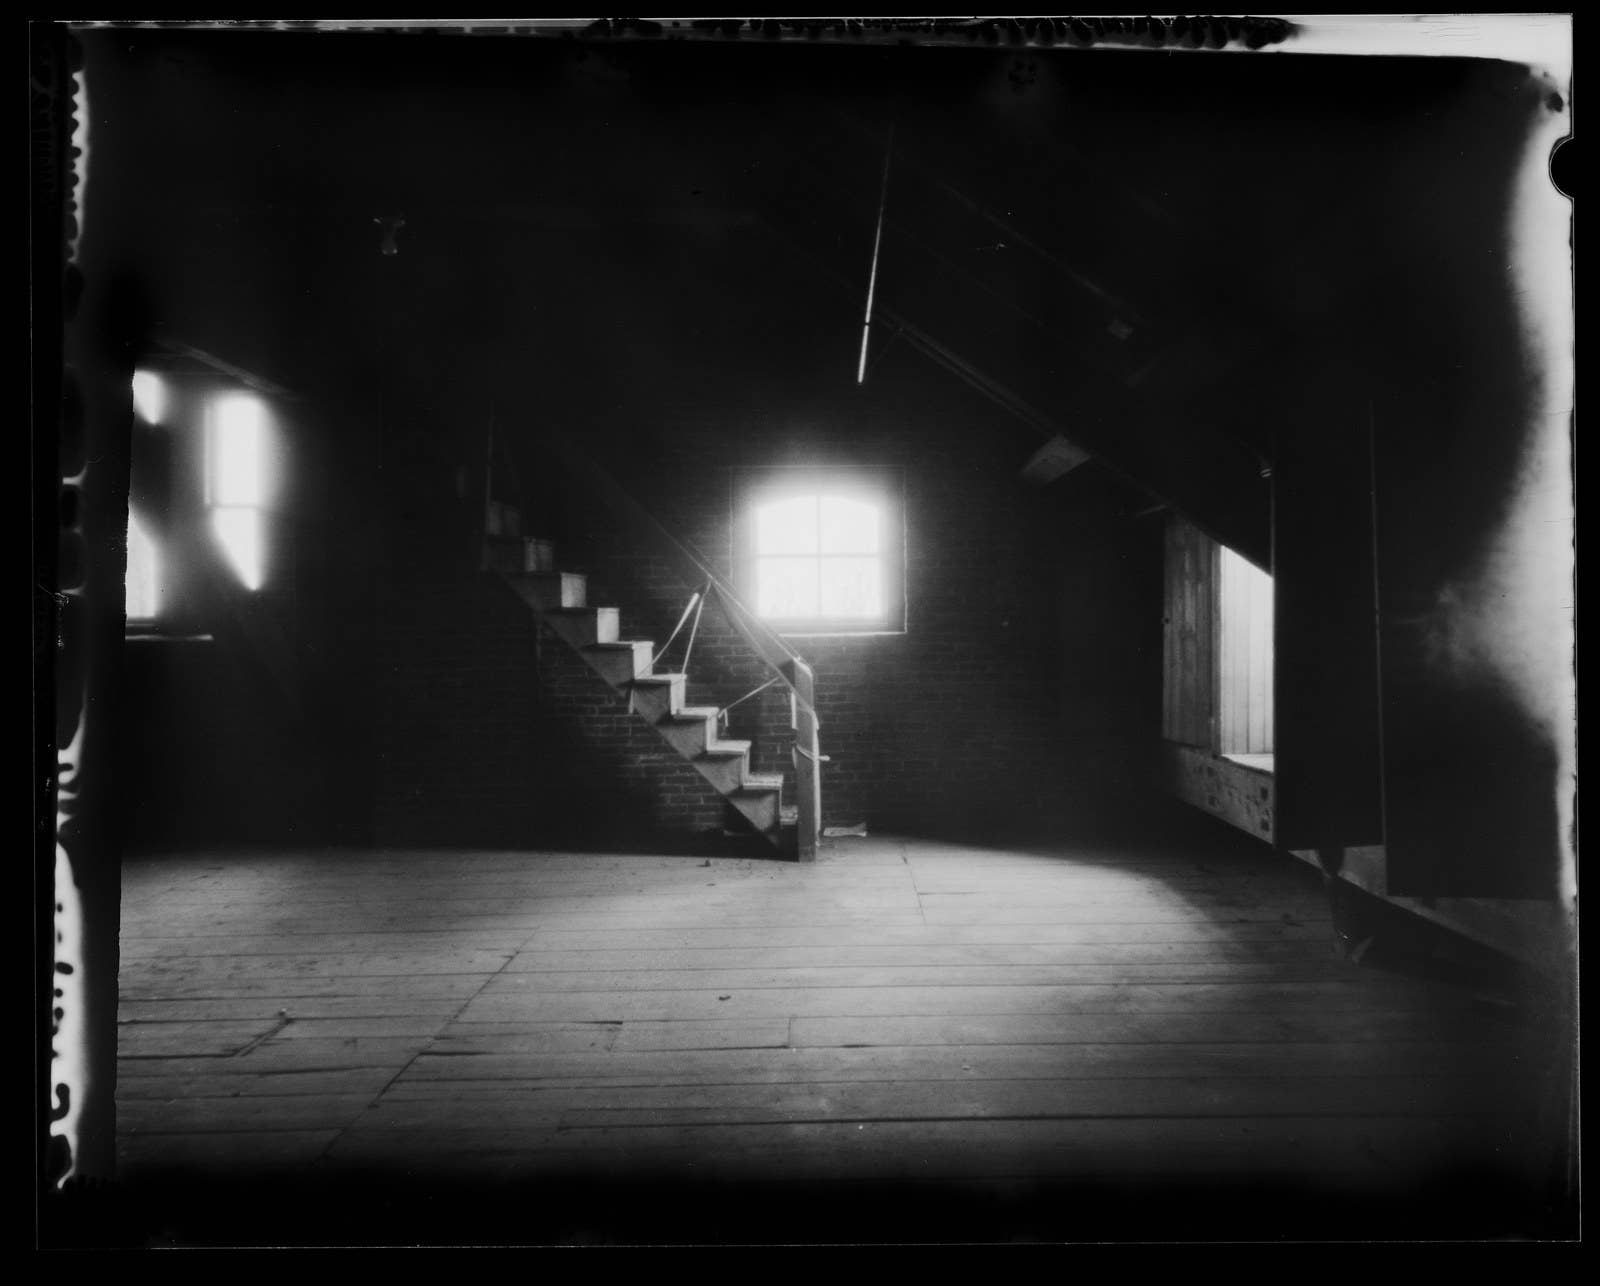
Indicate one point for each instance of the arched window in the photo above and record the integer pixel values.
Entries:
(821, 551)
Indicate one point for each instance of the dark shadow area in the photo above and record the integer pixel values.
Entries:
(364, 1209)
(1210, 278)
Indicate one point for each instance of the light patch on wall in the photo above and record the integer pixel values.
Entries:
(1053, 460)
(237, 472)
(143, 579)
(238, 531)
(149, 396)
(1510, 621)
(1524, 595)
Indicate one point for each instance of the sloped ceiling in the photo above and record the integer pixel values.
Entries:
(1140, 249)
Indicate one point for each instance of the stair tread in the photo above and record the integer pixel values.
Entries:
(693, 714)
(754, 791)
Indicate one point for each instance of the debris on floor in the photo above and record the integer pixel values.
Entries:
(840, 832)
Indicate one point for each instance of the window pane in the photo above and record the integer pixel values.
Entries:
(849, 526)
(852, 587)
(143, 593)
(787, 526)
(239, 533)
(786, 588)
(1245, 657)
(238, 452)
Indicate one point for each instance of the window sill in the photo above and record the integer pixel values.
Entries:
(827, 633)
(135, 634)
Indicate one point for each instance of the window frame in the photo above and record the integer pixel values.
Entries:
(882, 485)
(259, 509)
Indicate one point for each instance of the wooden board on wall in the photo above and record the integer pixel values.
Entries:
(1189, 623)
(1238, 793)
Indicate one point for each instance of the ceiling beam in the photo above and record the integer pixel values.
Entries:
(1219, 485)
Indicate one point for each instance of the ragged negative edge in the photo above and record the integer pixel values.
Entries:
(69, 1034)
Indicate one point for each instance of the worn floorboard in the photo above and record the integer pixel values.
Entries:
(909, 1040)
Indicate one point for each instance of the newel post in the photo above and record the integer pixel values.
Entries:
(807, 759)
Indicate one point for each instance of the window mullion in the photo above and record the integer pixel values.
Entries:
(851, 583)
(818, 564)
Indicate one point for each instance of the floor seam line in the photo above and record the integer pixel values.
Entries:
(406, 1066)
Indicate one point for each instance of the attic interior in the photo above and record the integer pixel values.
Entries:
(1111, 512)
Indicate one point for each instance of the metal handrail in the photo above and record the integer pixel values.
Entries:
(722, 714)
(695, 599)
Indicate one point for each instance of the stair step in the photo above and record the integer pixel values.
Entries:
(560, 599)
(656, 696)
(584, 626)
(725, 764)
(693, 714)
(759, 798)
(690, 730)
(548, 591)
(619, 661)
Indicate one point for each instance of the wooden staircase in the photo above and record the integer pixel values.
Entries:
(560, 600)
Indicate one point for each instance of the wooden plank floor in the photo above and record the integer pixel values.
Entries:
(909, 1040)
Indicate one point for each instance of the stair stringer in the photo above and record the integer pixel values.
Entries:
(559, 601)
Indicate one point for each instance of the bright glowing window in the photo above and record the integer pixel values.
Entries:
(237, 483)
(144, 574)
(149, 396)
(1244, 656)
(820, 551)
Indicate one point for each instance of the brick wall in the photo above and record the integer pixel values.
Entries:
(1010, 703)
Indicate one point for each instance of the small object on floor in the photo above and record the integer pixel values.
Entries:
(839, 832)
